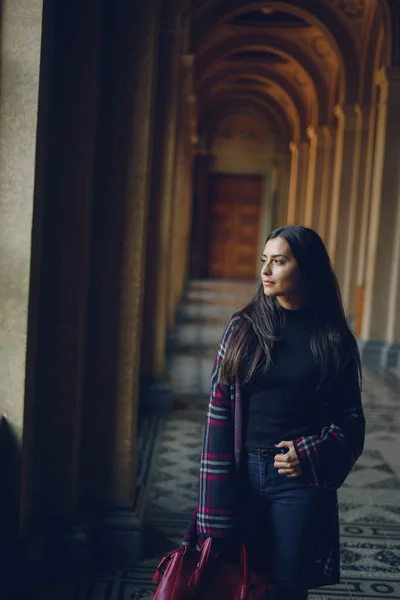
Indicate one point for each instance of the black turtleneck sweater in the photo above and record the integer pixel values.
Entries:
(281, 403)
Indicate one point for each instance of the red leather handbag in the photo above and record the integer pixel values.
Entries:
(191, 574)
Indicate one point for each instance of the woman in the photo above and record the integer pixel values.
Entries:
(285, 423)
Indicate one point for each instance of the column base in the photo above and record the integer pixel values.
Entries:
(155, 395)
(116, 531)
(116, 536)
(10, 492)
(172, 344)
(391, 356)
(54, 548)
(372, 352)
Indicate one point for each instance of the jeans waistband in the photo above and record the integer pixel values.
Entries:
(265, 452)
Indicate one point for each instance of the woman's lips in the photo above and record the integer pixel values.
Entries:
(268, 283)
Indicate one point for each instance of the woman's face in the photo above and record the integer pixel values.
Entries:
(280, 272)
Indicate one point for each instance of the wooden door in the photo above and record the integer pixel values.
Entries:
(234, 226)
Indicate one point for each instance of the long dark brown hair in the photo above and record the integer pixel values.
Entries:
(260, 321)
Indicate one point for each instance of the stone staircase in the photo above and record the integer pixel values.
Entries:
(207, 308)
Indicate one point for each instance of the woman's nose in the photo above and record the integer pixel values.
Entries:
(266, 269)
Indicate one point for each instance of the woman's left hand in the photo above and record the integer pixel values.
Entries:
(287, 464)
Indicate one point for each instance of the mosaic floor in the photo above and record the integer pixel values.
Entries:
(369, 504)
(369, 500)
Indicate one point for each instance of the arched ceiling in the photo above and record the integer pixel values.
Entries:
(285, 60)
(300, 57)
(268, 109)
(266, 113)
(262, 87)
(266, 80)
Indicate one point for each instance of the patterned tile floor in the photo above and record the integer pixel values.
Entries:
(369, 506)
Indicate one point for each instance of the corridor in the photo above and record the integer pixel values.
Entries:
(147, 150)
(369, 500)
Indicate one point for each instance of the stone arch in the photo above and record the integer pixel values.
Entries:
(272, 43)
(218, 113)
(272, 110)
(291, 115)
(317, 13)
(297, 104)
(265, 74)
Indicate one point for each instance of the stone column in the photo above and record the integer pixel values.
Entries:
(112, 495)
(284, 185)
(329, 136)
(178, 201)
(154, 389)
(310, 200)
(20, 58)
(183, 192)
(186, 222)
(345, 187)
(294, 176)
(274, 198)
(181, 225)
(283, 161)
(65, 163)
(304, 153)
(365, 202)
(350, 257)
(201, 200)
(391, 351)
(382, 254)
(20, 44)
(322, 172)
(350, 288)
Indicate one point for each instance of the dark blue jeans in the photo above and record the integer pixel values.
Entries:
(280, 524)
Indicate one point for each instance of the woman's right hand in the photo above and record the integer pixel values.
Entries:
(288, 463)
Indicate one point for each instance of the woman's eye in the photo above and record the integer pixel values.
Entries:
(278, 262)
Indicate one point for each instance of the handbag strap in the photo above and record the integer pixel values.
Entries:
(157, 574)
(202, 564)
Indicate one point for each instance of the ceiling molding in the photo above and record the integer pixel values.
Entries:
(292, 52)
(324, 14)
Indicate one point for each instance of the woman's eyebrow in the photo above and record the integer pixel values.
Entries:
(276, 256)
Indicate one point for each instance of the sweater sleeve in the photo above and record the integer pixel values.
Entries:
(216, 508)
(328, 458)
